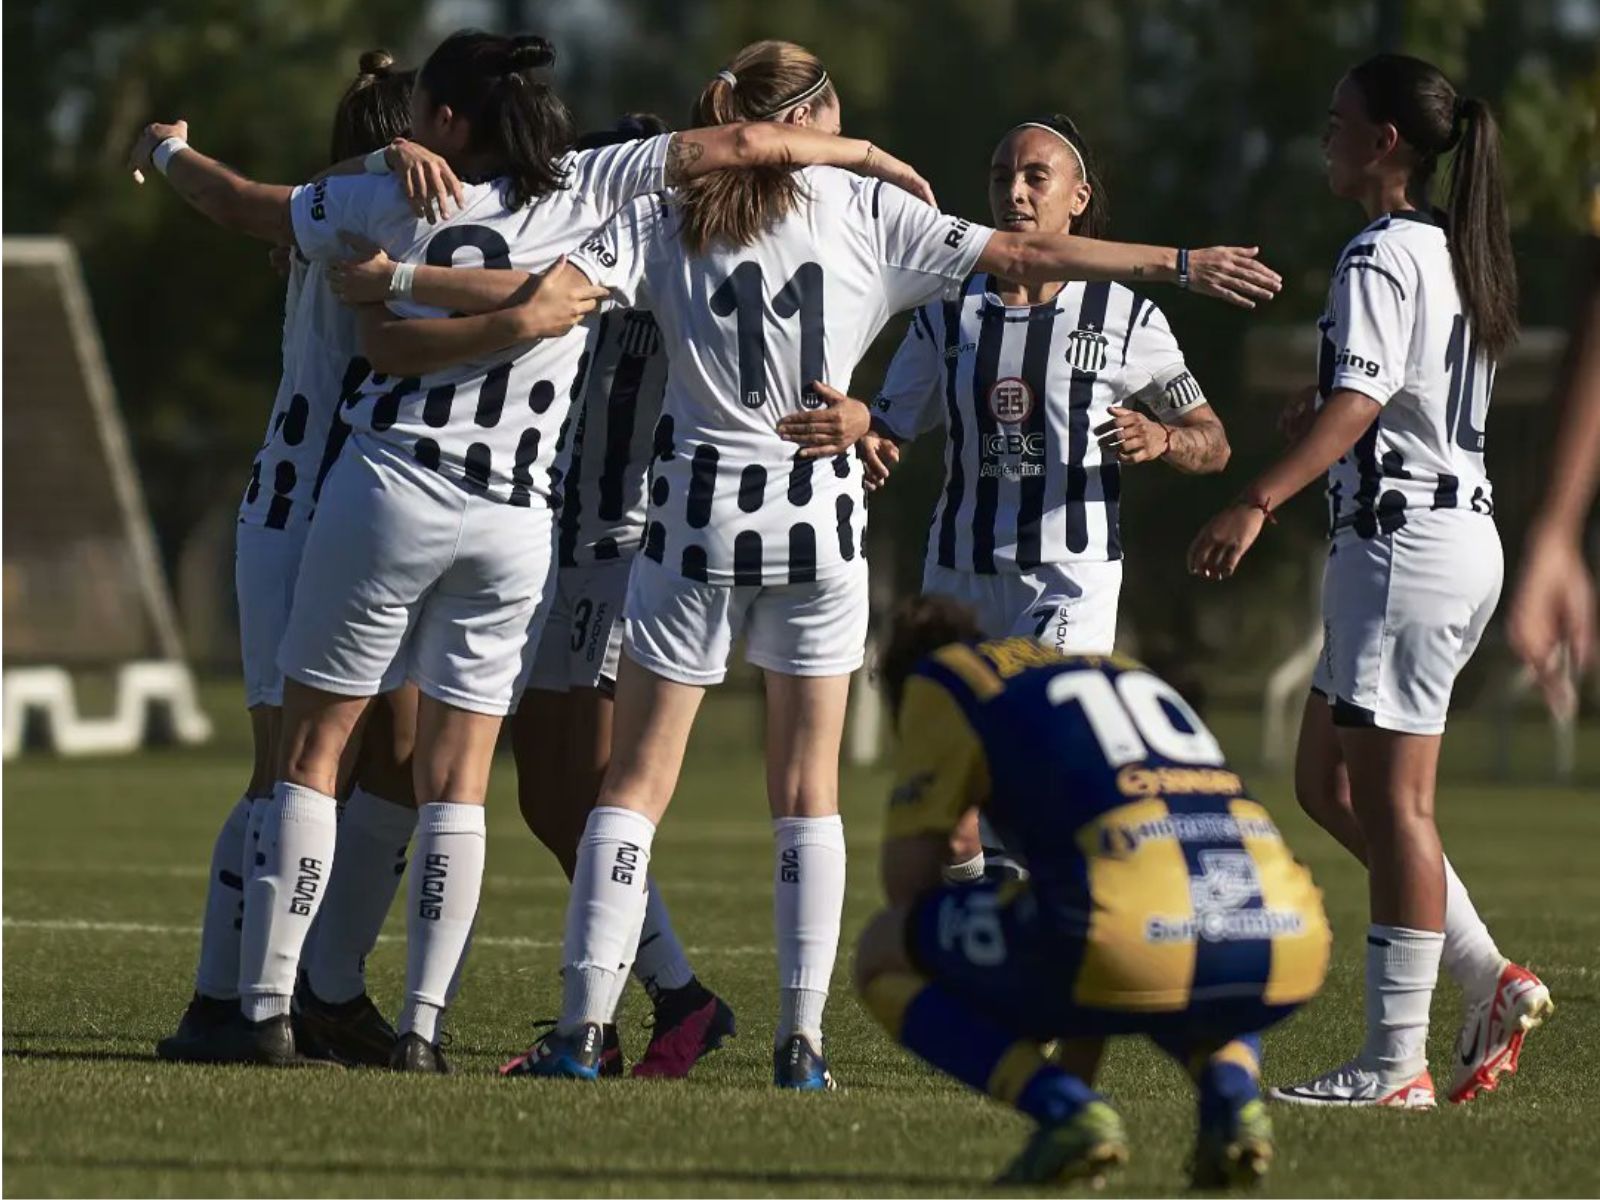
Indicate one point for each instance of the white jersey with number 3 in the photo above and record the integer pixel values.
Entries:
(1395, 330)
(747, 331)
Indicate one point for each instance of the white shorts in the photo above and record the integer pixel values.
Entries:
(582, 637)
(1071, 607)
(403, 568)
(266, 563)
(684, 631)
(1401, 615)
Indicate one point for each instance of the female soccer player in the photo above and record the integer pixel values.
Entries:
(765, 283)
(1422, 304)
(320, 354)
(432, 543)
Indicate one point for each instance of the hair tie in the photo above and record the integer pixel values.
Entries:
(729, 78)
(1083, 167)
(805, 94)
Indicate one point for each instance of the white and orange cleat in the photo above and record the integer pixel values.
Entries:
(1356, 1086)
(1492, 1032)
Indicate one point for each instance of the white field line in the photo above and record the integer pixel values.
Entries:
(494, 941)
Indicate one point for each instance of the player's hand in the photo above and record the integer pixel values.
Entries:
(364, 278)
(1217, 549)
(1553, 611)
(153, 135)
(1133, 438)
(563, 298)
(879, 455)
(880, 164)
(1234, 274)
(1298, 413)
(829, 430)
(426, 178)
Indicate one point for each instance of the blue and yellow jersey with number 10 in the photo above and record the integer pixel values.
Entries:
(1143, 846)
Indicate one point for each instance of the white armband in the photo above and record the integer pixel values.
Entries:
(400, 282)
(162, 154)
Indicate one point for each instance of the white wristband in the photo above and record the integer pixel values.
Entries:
(162, 154)
(377, 163)
(400, 281)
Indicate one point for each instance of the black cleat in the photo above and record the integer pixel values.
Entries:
(612, 1064)
(352, 1032)
(690, 1022)
(414, 1053)
(193, 1039)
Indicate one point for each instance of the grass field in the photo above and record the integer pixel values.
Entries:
(104, 867)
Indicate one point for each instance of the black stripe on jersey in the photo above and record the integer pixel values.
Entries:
(477, 466)
(986, 489)
(956, 484)
(571, 500)
(338, 434)
(664, 448)
(622, 407)
(1080, 395)
(1446, 491)
(436, 408)
(283, 481)
(694, 563)
(844, 508)
(1133, 321)
(522, 469)
(294, 421)
(355, 374)
(1111, 490)
(802, 553)
(702, 486)
(1364, 250)
(1366, 266)
(747, 559)
(752, 487)
(926, 322)
(800, 482)
(1031, 488)
(655, 541)
(878, 188)
(386, 408)
(492, 396)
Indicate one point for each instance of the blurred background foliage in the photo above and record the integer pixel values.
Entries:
(1205, 115)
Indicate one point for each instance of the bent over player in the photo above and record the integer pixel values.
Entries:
(1162, 899)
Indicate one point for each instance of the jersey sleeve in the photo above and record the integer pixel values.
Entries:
(356, 203)
(908, 402)
(614, 176)
(940, 768)
(1372, 303)
(616, 255)
(1156, 377)
(924, 253)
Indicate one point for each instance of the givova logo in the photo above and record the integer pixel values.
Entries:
(308, 882)
(435, 869)
(626, 864)
(789, 865)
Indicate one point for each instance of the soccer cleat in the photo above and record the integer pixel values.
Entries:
(557, 1055)
(268, 1043)
(797, 1065)
(612, 1064)
(1490, 1042)
(352, 1032)
(1355, 1086)
(1237, 1152)
(416, 1055)
(193, 1039)
(691, 1022)
(1086, 1146)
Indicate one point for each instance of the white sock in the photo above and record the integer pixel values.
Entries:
(969, 871)
(1402, 967)
(280, 902)
(605, 913)
(1470, 955)
(218, 972)
(660, 964)
(442, 901)
(252, 851)
(373, 838)
(808, 902)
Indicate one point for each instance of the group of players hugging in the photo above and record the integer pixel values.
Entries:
(561, 417)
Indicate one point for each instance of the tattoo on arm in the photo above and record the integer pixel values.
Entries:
(1199, 448)
(681, 155)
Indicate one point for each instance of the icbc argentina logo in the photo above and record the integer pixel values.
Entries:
(1011, 400)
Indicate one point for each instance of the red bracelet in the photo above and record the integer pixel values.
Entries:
(1264, 507)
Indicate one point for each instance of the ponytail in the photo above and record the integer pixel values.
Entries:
(1415, 97)
(374, 110)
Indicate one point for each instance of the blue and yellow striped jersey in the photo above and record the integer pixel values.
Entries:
(1138, 836)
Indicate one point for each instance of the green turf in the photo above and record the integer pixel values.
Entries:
(104, 865)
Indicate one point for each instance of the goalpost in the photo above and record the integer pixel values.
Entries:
(84, 589)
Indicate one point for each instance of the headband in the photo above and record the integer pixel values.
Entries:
(1083, 167)
(729, 78)
(808, 93)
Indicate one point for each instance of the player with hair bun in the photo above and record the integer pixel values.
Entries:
(1421, 307)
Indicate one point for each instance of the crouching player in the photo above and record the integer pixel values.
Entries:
(1162, 900)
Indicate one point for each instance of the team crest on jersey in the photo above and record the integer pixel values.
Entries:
(641, 336)
(1011, 400)
(1086, 349)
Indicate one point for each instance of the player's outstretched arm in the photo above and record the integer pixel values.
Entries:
(1232, 273)
(697, 152)
(1195, 442)
(370, 277)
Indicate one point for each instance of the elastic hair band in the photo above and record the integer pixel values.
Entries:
(811, 91)
(1083, 167)
(729, 78)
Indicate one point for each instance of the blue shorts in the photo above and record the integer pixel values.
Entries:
(991, 944)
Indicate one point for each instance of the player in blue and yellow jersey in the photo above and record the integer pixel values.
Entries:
(1161, 900)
